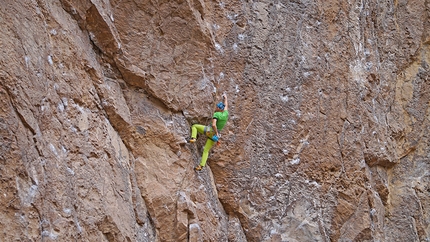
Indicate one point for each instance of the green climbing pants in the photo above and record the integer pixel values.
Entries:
(209, 143)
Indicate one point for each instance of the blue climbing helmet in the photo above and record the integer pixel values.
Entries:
(220, 105)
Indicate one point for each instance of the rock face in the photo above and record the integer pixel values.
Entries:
(328, 137)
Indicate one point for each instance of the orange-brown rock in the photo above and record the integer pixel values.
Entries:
(327, 140)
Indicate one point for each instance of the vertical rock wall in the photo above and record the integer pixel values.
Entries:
(327, 138)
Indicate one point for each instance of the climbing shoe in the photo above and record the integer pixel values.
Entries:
(192, 140)
(198, 168)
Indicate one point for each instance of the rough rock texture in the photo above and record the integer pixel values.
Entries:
(328, 137)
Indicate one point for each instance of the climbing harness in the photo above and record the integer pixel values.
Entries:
(209, 132)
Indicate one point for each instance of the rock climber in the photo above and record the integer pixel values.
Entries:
(219, 119)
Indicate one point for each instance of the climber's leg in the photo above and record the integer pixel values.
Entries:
(208, 146)
(196, 128)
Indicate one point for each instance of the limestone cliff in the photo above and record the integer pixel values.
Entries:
(328, 137)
